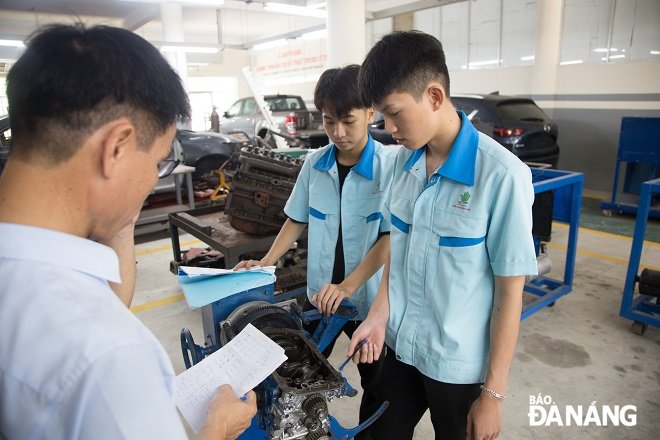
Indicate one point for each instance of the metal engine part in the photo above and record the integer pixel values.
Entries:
(293, 400)
(260, 187)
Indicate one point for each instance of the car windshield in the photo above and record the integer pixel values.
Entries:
(521, 111)
(284, 103)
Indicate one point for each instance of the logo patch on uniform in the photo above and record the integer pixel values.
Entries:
(463, 201)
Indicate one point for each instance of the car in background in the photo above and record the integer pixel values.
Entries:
(204, 150)
(516, 123)
(378, 132)
(5, 140)
(290, 114)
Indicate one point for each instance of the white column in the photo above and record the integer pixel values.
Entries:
(171, 15)
(548, 45)
(346, 32)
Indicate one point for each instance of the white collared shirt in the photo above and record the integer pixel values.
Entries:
(75, 363)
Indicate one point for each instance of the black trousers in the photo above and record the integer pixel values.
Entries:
(410, 394)
(369, 378)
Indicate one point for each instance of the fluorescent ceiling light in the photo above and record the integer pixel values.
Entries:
(527, 58)
(270, 44)
(189, 49)
(184, 2)
(294, 10)
(614, 57)
(565, 63)
(655, 52)
(484, 63)
(604, 49)
(12, 43)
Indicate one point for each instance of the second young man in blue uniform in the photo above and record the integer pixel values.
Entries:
(340, 196)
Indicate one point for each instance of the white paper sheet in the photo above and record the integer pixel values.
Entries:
(192, 271)
(242, 363)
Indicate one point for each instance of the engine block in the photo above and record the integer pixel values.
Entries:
(260, 187)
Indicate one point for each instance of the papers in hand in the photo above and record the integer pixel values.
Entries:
(242, 363)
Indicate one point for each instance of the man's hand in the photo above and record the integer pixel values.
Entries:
(373, 330)
(248, 264)
(123, 244)
(329, 297)
(228, 416)
(484, 420)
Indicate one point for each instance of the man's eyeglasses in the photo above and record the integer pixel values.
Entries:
(166, 166)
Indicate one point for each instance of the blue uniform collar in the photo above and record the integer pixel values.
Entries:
(461, 162)
(365, 166)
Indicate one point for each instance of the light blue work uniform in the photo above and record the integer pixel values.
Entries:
(315, 200)
(75, 363)
(451, 235)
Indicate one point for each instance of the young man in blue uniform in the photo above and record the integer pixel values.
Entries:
(460, 208)
(340, 197)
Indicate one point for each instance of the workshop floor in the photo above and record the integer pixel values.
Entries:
(577, 353)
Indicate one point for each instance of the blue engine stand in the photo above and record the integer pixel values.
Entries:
(219, 310)
(567, 187)
(644, 310)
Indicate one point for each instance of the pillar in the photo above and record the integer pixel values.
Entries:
(346, 32)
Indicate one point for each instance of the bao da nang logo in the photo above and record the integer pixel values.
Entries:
(543, 411)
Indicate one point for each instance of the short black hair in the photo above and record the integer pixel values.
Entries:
(71, 80)
(402, 62)
(337, 92)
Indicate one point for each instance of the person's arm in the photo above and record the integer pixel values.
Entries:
(373, 327)
(228, 415)
(485, 416)
(331, 295)
(289, 233)
(124, 245)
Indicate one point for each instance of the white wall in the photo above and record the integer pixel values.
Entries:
(232, 63)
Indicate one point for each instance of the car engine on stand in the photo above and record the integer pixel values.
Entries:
(293, 401)
(294, 398)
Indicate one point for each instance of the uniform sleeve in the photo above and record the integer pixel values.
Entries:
(297, 207)
(390, 160)
(509, 239)
(124, 394)
(396, 164)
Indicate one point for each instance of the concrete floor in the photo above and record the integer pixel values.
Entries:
(579, 352)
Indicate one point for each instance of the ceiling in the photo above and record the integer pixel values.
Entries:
(237, 24)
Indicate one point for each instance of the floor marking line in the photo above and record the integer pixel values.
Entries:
(157, 303)
(165, 248)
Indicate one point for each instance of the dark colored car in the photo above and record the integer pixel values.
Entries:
(516, 123)
(206, 150)
(5, 139)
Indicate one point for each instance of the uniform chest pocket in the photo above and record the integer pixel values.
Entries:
(401, 213)
(322, 206)
(462, 238)
(371, 209)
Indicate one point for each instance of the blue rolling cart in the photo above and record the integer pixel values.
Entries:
(567, 189)
(639, 149)
(643, 309)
